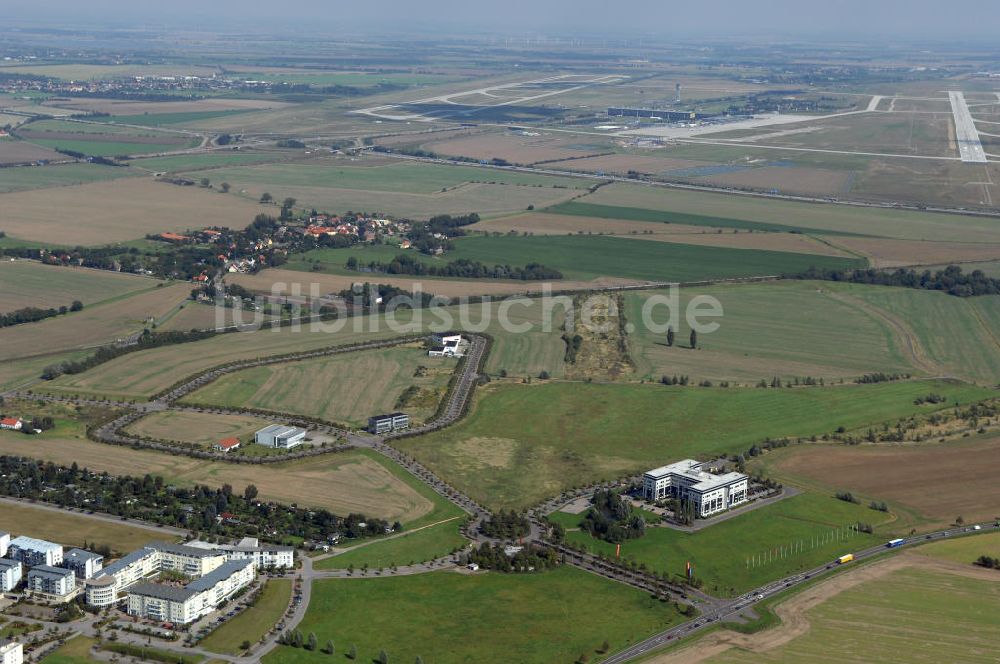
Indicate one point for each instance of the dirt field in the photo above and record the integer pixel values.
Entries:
(513, 148)
(797, 179)
(203, 428)
(329, 283)
(21, 152)
(342, 483)
(118, 210)
(893, 253)
(622, 163)
(123, 107)
(963, 475)
(795, 622)
(91, 327)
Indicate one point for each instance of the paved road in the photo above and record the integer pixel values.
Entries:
(723, 610)
(970, 149)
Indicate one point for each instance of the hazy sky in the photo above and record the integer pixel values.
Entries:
(888, 19)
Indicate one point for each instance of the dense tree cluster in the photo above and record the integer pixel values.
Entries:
(988, 562)
(530, 558)
(573, 344)
(506, 525)
(462, 268)
(880, 377)
(612, 518)
(950, 280)
(33, 314)
(199, 508)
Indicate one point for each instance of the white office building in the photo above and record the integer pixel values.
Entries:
(280, 436)
(54, 581)
(31, 552)
(706, 492)
(11, 652)
(11, 573)
(84, 564)
(167, 603)
(250, 548)
(4, 543)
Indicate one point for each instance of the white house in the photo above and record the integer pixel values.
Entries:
(280, 436)
(706, 492)
(12, 423)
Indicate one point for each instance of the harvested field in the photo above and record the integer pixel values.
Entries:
(22, 152)
(963, 475)
(347, 388)
(82, 214)
(203, 316)
(263, 281)
(619, 164)
(59, 175)
(94, 326)
(30, 284)
(71, 529)
(800, 180)
(509, 147)
(790, 242)
(342, 483)
(542, 223)
(895, 253)
(124, 107)
(60, 137)
(205, 429)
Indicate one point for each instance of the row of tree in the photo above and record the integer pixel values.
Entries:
(462, 268)
(951, 280)
(34, 314)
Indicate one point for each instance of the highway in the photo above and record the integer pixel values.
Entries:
(970, 149)
(721, 612)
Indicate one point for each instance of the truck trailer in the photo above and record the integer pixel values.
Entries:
(845, 559)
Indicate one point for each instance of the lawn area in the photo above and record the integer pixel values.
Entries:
(74, 651)
(588, 257)
(186, 162)
(346, 388)
(490, 618)
(414, 546)
(909, 616)
(965, 550)
(99, 148)
(204, 429)
(31, 284)
(253, 623)
(757, 339)
(75, 530)
(58, 175)
(719, 553)
(523, 443)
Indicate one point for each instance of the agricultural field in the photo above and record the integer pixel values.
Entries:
(58, 175)
(506, 454)
(340, 482)
(30, 284)
(92, 146)
(115, 318)
(964, 550)
(131, 110)
(346, 388)
(22, 152)
(719, 554)
(445, 617)
(580, 257)
(963, 474)
(413, 546)
(886, 253)
(74, 529)
(518, 149)
(203, 429)
(894, 613)
(82, 215)
(193, 162)
(253, 623)
(404, 189)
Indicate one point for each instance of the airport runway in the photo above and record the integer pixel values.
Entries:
(970, 149)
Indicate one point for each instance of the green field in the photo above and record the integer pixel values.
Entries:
(97, 127)
(99, 148)
(908, 616)
(965, 550)
(347, 388)
(74, 651)
(511, 451)
(58, 175)
(414, 546)
(719, 553)
(158, 119)
(203, 429)
(253, 623)
(216, 159)
(589, 257)
(448, 618)
(28, 283)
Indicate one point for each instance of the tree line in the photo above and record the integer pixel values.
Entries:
(950, 280)
(34, 314)
(462, 268)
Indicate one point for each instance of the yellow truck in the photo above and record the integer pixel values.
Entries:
(845, 559)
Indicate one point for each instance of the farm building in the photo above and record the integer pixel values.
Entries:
(686, 481)
(386, 423)
(12, 423)
(227, 444)
(280, 436)
(11, 572)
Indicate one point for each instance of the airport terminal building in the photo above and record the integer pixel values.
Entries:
(686, 481)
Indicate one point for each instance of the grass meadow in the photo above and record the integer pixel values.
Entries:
(28, 283)
(253, 623)
(511, 452)
(109, 148)
(413, 546)
(204, 429)
(446, 618)
(59, 175)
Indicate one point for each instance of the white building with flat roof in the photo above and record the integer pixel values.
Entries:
(163, 602)
(280, 436)
(4, 543)
(31, 551)
(54, 581)
(707, 492)
(11, 573)
(84, 563)
(263, 555)
(11, 652)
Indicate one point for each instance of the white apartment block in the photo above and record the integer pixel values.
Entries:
(165, 603)
(11, 572)
(11, 652)
(51, 580)
(706, 492)
(4, 543)
(84, 563)
(32, 552)
(263, 556)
